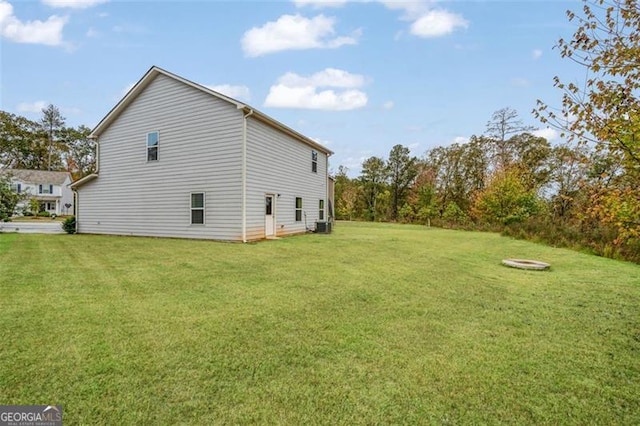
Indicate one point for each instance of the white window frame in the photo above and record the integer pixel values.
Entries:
(156, 146)
(314, 161)
(203, 208)
(320, 209)
(298, 209)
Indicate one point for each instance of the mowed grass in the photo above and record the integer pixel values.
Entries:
(374, 324)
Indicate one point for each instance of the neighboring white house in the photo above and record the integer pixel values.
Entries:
(176, 159)
(50, 189)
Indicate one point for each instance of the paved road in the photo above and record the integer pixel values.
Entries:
(32, 227)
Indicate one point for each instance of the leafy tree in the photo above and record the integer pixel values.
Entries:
(22, 143)
(568, 174)
(373, 179)
(460, 171)
(402, 170)
(348, 202)
(531, 156)
(453, 214)
(422, 196)
(505, 200)
(80, 155)
(9, 199)
(606, 109)
(52, 122)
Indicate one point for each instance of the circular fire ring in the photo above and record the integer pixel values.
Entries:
(532, 265)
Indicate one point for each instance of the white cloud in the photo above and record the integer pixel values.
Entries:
(236, 92)
(295, 91)
(48, 32)
(34, 107)
(460, 140)
(281, 96)
(547, 133)
(318, 4)
(73, 4)
(437, 23)
(536, 54)
(388, 105)
(294, 32)
(412, 9)
(426, 21)
(329, 77)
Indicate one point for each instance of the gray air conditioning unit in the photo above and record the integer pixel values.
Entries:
(323, 227)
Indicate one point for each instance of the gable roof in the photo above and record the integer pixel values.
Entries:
(38, 176)
(155, 71)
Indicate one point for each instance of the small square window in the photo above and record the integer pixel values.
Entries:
(298, 209)
(197, 208)
(153, 140)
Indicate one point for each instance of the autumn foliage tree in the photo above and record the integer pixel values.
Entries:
(605, 110)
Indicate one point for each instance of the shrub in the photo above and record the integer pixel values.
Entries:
(44, 214)
(69, 225)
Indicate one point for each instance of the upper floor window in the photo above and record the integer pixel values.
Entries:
(314, 162)
(153, 138)
(45, 189)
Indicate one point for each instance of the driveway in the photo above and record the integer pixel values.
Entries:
(32, 227)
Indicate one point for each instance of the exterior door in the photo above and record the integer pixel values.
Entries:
(269, 216)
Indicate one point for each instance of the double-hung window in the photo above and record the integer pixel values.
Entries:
(321, 210)
(197, 208)
(153, 139)
(45, 189)
(314, 162)
(298, 209)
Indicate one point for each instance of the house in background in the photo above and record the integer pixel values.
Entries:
(50, 189)
(176, 159)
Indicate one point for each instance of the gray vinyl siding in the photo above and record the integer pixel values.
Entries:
(280, 164)
(200, 150)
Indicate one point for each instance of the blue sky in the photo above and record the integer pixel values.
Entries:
(358, 76)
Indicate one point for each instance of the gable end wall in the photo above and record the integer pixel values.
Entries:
(200, 150)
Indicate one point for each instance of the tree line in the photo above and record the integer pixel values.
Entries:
(506, 179)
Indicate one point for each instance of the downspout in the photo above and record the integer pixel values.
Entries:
(328, 204)
(97, 153)
(244, 175)
(75, 207)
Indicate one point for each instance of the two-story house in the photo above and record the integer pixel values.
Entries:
(177, 159)
(50, 189)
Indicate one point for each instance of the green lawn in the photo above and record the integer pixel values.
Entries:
(374, 324)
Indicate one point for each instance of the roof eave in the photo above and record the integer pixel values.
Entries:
(82, 181)
(146, 79)
(154, 71)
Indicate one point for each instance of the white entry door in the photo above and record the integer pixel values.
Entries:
(269, 216)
